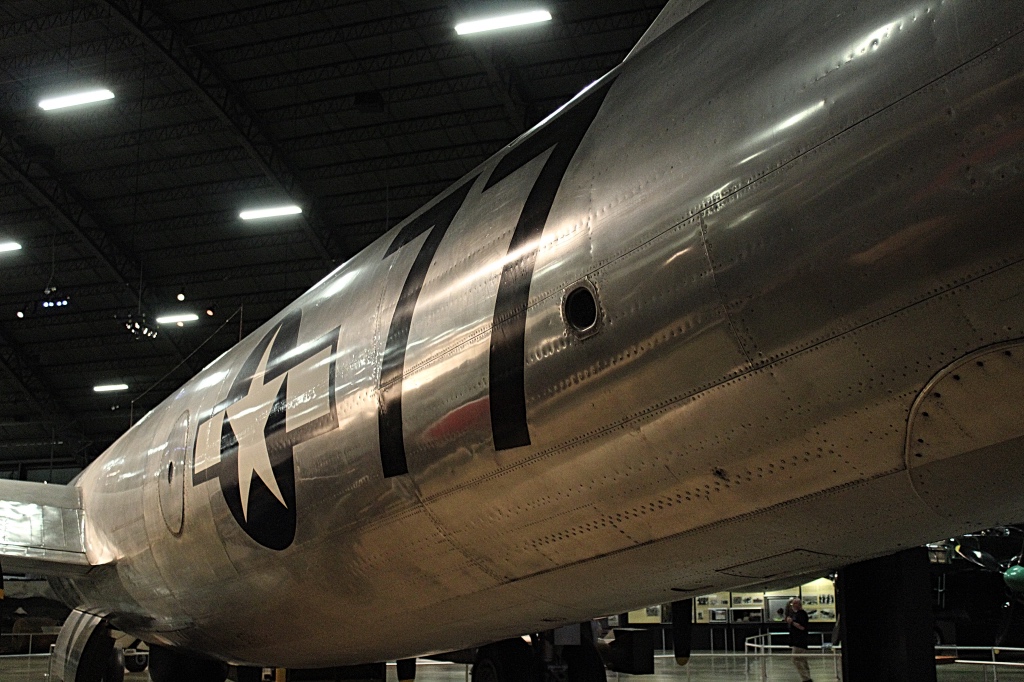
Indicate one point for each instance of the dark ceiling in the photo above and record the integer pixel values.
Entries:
(360, 112)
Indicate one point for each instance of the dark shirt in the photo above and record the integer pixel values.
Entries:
(797, 637)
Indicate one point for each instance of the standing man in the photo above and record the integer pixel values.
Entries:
(798, 638)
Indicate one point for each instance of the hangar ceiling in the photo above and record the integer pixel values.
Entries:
(359, 112)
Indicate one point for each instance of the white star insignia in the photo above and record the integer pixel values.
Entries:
(248, 419)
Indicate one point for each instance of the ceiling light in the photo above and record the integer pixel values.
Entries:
(76, 99)
(110, 388)
(175, 319)
(20, 314)
(181, 294)
(9, 246)
(53, 299)
(211, 310)
(138, 326)
(272, 212)
(506, 21)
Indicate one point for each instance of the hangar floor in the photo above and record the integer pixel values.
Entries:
(717, 668)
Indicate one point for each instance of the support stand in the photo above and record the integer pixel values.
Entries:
(886, 619)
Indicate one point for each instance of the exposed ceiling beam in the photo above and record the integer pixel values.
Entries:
(17, 97)
(125, 108)
(439, 86)
(194, 190)
(171, 133)
(290, 9)
(45, 188)
(166, 164)
(502, 77)
(20, 372)
(167, 40)
(18, 63)
(358, 66)
(36, 25)
(429, 159)
(401, 128)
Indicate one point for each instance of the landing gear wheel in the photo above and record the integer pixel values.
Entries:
(585, 664)
(136, 662)
(507, 661)
(166, 665)
(115, 666)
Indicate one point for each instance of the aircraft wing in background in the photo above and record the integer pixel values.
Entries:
(41, 529)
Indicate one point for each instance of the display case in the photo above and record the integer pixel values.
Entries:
(718, 616)
(746, 614)
(776, 603)
(703, 605)
(746, 607)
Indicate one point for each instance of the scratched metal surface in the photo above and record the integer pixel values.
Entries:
(793, 218)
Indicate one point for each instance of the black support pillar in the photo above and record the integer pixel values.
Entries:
(682, 630)
(886, 620)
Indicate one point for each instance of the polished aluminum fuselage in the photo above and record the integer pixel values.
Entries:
(793, 216)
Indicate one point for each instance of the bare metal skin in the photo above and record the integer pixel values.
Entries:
(801, 221)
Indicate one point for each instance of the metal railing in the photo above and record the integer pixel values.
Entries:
(761, 647)
(988, 659)
(27, 644)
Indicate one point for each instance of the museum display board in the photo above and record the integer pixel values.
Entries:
(818, 596)
(819, 600)
(722, 608)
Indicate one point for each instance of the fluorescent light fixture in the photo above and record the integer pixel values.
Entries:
(9, 246)
(110, 388)
(175, 319)
(272, 212)
(76, 99)
(506, 21)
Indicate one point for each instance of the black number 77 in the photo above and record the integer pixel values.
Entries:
(509, 426)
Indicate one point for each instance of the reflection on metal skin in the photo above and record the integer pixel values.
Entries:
(795, 218)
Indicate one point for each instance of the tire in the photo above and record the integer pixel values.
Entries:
(115, 666)
(507, 661)
(95, 659)
(137, 662)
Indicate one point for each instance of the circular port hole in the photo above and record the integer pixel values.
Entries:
(581, 309)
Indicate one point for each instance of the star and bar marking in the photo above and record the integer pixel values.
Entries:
(282, 397)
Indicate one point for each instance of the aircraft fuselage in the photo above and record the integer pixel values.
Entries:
(790, 219)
